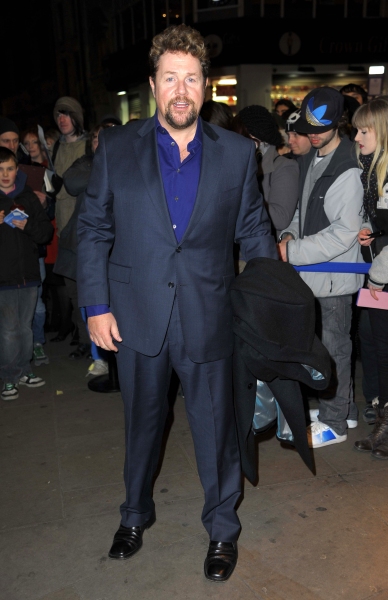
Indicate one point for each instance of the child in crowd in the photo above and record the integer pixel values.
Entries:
(19, 275)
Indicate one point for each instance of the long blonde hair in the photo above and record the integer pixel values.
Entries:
(374, 115)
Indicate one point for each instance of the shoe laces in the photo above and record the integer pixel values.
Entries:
(381, 426)
(318, 427)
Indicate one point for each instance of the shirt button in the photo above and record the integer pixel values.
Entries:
(171, 284)
(172, 143)
(176, 198)
(174, 226)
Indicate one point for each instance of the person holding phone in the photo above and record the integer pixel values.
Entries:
(371, 121)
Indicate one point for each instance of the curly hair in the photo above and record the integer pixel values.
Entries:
(179, 38)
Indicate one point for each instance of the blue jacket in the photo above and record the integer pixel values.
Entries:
(128, 256)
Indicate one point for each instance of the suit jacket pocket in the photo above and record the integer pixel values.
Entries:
(119, 273)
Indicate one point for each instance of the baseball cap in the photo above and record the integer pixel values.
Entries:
(321, 110)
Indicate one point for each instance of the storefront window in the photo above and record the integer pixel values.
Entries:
(224, 90)
(296, 88)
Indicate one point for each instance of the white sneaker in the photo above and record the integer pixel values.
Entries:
(98, 367)
(319, 434)
(314, 412)
(31, 381)
(10, 391)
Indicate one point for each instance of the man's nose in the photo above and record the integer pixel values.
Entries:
(181, 86)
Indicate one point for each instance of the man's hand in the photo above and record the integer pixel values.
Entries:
(282, 247)
(102, 329)
(1, 217)
(20, 224)
(373, 289)
(362, 237)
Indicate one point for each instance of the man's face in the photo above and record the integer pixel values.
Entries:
(10, 140)
(320, 140)
(299, 144)
(8, 172)
(65, 124)
(354, 95)
(178, 89)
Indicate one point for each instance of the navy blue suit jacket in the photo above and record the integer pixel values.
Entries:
(128, 256)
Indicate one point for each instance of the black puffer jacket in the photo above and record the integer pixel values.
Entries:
(19, 263)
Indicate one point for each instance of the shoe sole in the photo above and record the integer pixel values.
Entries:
(219, 579)
(329, 443)
(8, 398)
(44, 361)
(33, 385)
(147, 526)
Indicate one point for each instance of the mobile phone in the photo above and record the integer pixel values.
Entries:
(376, 234)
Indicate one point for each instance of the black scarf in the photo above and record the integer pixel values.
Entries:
(371, 194)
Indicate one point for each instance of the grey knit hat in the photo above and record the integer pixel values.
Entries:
(72, 106)
(260, 124)
(8, 125)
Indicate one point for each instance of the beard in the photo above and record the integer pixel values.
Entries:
(184, 120)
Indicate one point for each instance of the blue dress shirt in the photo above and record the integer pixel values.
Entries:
(180, 183)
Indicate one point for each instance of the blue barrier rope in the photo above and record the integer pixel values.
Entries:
(336, 267)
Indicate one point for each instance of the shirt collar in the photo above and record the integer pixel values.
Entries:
(195, 143)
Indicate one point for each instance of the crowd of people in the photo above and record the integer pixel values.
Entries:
(326, 192)
(321, 210)
(45, 178)
(149, 210)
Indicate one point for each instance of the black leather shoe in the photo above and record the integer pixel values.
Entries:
(128, 540)
(82, 350)
(220, 561)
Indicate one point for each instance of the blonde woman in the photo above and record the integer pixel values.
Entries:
(371, 121)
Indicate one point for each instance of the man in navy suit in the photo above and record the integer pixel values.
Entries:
(167, 198)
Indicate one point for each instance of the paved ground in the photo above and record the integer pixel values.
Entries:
(303, 538)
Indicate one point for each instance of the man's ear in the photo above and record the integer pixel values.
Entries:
(152, 84)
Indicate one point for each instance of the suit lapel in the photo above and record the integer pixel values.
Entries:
(148, 163)
(208, 187)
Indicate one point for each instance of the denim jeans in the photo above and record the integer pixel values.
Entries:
(16, 314)
(336, 404)
(40, 310)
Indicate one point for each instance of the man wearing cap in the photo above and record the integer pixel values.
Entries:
(298, 142)
(9, 138)
(324, 229)
(68, 115)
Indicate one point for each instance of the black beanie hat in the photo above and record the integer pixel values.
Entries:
(8, 125)
(260, 124)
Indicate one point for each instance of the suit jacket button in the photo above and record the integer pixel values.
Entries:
(171, 284)
(178, 249)
(250, 386)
